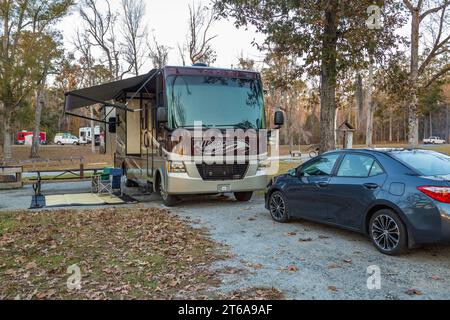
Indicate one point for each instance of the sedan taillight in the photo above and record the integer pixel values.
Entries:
(441, 194)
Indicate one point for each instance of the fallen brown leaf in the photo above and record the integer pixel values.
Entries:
(31, 265)
(332, 288)
(292, 268)
(414, 292)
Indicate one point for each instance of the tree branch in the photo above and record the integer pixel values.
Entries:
(441, 73)
(433, 10)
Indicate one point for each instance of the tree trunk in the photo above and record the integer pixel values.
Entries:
(328, 78)
(7, 149)
(446, 123)
(370, 107)
(359, 100)
(37, 118)
(390, 125)
(431, 125)
(92, 131)
(413, 121)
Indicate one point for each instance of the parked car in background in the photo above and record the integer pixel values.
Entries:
(434, 140)
(399, 198)
(66, 138)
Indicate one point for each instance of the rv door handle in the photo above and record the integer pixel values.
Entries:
(371, 186)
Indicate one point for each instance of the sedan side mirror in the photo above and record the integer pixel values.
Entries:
(161, 115)
(279, 118)
(292, 172)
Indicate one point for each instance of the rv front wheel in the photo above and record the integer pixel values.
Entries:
(168, 200)
(243, 196)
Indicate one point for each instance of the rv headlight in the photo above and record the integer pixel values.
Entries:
(177, 167)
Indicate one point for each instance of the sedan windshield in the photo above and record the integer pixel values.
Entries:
(427, 163)
(218, 102)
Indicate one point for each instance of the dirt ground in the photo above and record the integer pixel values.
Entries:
(119, 253)
(299, 260)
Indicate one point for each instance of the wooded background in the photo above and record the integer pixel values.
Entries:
(325, 62)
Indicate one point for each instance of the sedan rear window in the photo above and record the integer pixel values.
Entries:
(427, 163)
(359, 166)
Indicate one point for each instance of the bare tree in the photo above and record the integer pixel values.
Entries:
(159, 54)
(100, 27)
(198, 41)
(134, 33)
(181, 50)
(439, 46)
(84, 47)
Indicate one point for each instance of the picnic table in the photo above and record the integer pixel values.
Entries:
(11, 177)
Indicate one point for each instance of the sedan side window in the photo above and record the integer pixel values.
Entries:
(321, 167)
(359, 166)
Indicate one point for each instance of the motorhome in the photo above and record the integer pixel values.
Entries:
(26, 137)
(165, 123)
(85, 135)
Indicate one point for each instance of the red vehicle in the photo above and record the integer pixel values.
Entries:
(22, 137)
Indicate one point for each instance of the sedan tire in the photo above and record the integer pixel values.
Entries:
(278, 207)
(388, 232)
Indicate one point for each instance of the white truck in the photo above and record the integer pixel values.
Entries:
(434, 140)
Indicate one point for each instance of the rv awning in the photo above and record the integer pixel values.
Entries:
(106, 92)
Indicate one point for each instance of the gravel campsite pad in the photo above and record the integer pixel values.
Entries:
(306, 260)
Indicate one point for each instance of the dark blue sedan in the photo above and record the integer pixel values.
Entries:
(400, 198)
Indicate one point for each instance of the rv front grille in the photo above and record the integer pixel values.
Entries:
(211, 172)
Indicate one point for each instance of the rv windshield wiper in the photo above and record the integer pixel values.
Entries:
(204, 126)
(238, 125)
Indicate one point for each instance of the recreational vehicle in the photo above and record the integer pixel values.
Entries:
(174, 127)
(85, 135)
(26, 137)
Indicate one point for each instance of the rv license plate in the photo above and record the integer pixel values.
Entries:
(224, 188)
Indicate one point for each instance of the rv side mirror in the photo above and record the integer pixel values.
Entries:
(161, 115)
(112, 125)
(279, 118)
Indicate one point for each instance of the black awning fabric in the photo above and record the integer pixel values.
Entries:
(103, 93)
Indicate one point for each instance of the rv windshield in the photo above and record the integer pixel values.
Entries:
(218, 102)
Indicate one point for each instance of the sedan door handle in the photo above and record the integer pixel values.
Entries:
(371, 186)
(322, 184)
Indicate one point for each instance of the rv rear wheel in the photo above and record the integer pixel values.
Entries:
(243, 196)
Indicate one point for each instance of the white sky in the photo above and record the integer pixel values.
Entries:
(168, 22)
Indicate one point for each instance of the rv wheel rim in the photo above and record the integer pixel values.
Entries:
(164, 194)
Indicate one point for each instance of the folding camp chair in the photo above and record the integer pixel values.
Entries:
(107, 181)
